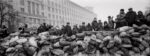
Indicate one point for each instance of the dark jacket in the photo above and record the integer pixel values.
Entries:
(131, 17)
(89, 27)
(3, 32)
(111, 24)
(82, 28)
(141, 20)
(68, 30)
(42, 28)
(148, 19)
(75, 30)
(95, 25)
(100, 26)
(106, 27)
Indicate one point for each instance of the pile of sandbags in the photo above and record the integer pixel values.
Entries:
(126, 41)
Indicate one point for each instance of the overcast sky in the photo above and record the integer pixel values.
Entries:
(104, 8)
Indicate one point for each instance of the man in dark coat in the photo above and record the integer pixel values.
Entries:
(95, 24)
(63, 29)
(100, 27)
(75, 29)
(148, 19)
(89, 27)
(120, 20)
(68, 29)
(83, 27)
(42, 28)
(106, 26)
(110, 22)
(140, 18)
(131, 17)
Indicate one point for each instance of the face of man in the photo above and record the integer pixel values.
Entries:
(95, 19)
(99, 20)
(140, 13)
(130, 10)
(121, 12)
(68, 24)
(83, 24)
(44, 24)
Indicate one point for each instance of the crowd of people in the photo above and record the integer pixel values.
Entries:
(122, 19)
(131, 17)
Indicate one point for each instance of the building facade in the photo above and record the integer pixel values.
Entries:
(54, 12)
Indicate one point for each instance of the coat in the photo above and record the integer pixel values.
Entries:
(68, 30)
(120, 20)
(111, 24)
(100, 26)
(75, 30)
(42, 28)
(94, 25)
(148, 18)
(140, 20)
(83, 28)
(89, 28)
(131, 17)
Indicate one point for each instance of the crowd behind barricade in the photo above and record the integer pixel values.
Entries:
(72, 41)
(122, 19)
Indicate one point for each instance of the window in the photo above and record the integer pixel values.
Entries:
(33, 8)
(22, 2)
(39, 21)
(34, 20)
(48, 2)
(53, 16)
(52, 4)
(56, 10)
(60, 17)
(52, 9)
(48, 8)
(31, 21)
(56, 17)
(42, 7)
(37, 9)
(22, 9)
(49, 15)
(29, 7)
(42, 13)
(10, 1)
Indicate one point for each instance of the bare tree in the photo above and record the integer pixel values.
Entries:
(7, 13)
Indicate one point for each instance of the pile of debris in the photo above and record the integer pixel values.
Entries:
(126, 41)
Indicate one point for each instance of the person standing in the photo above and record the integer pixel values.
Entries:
(140, 18)
(68, 29)
(110, 22)
(83, 27)
(89, 27)
(100, 27)
(106, 26)
(63, 29)
(131, 17)
(148, 19)
(120, 20)
(95, 24)
(75, 29)
(43, 27)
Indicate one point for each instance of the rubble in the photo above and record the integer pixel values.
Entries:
(126, 41)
